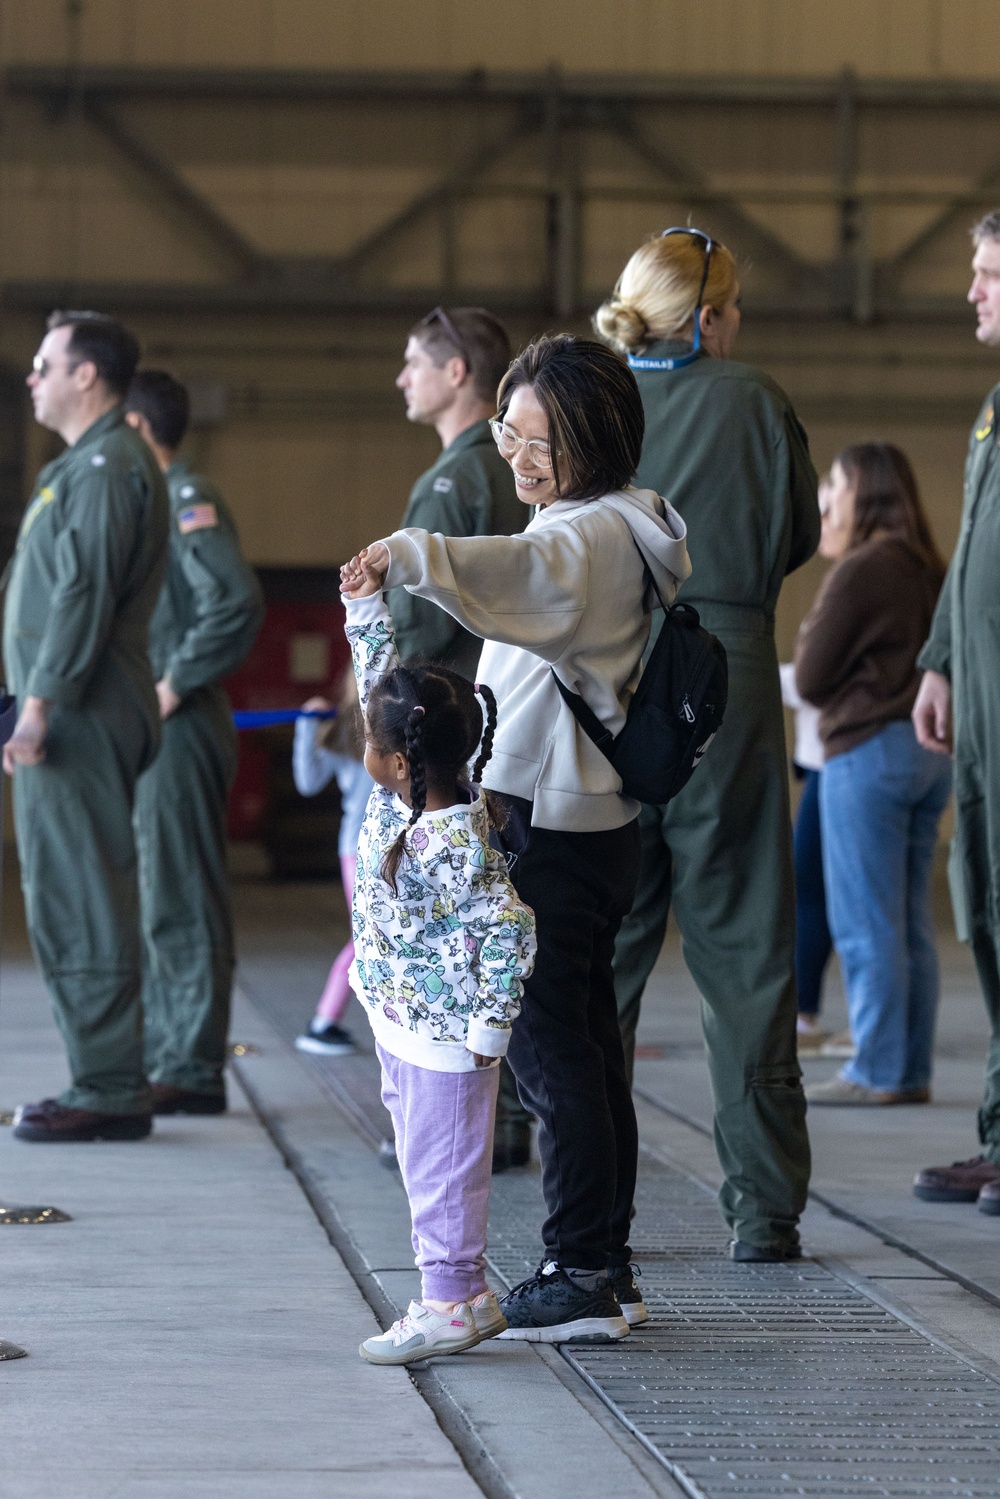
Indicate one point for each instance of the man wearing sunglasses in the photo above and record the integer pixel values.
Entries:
(86, 574)
(455, 359)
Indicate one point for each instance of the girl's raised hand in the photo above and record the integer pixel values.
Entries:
(365, 573)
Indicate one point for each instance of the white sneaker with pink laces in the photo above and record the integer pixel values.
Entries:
(423, 1334)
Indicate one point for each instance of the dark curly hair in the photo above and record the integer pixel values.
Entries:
(432, 715)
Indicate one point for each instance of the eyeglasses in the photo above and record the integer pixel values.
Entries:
(508, 442)
(41, 367)
(709, 244)
(440, 316)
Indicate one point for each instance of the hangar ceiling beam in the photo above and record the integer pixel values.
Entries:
(988, 183)
(448, 187)
(197, 210)
(432, 86)
(754, 237)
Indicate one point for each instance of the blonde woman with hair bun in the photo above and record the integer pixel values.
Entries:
(725, 448)
(659, 290)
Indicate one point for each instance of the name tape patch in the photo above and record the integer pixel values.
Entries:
(196, 518)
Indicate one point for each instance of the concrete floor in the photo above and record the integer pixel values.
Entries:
(193, 1332)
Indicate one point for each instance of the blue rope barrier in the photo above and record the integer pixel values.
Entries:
(267, 718)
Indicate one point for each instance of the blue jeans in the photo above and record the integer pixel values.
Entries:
(880, 806)
(812, 934)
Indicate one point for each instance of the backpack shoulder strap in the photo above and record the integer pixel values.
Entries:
(585, 717)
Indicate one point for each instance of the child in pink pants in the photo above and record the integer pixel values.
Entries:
(443, 945)
(314, 765)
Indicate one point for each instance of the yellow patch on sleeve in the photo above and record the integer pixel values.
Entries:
(984, 431)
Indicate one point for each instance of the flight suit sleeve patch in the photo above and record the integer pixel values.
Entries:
(98, 460)
(443, 485)
(197, 518)
(986, 427)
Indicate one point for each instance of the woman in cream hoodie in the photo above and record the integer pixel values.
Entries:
(570, 595)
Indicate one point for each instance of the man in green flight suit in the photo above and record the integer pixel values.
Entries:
(724, 446)
(86, 574)
(958, 710)
(204, 624)
(454, 361)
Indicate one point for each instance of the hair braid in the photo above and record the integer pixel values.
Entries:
(418, 793)
(496, 809)
(486, 747)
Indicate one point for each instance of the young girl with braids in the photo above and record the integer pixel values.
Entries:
(443, 946)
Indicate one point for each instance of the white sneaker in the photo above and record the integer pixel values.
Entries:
(490, 1320)
(423, 1334)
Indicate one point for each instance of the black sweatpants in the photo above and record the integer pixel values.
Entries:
(566, 1047)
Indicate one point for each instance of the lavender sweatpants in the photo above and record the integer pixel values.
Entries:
(444, 1145)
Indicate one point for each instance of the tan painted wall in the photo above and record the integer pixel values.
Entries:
(314, 453)
(879, 37)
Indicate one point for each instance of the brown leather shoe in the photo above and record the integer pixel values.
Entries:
(52, 1121)
(170, 1100)
(962, 1181)
(988, 1200)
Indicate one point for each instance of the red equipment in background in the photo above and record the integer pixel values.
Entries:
(300, 652)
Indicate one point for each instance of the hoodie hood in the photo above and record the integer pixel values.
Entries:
(658, 531)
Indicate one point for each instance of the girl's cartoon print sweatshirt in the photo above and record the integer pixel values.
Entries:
(440, 965)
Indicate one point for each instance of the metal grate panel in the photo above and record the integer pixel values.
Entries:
(759, 1381)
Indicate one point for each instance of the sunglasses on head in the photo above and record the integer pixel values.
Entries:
(440, 316)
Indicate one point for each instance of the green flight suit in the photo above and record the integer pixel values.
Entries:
(723, 445)
(84, 579)
(469, 491)
(964, 645)
(205, 622)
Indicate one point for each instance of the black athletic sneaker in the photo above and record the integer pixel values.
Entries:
(331, 1041)
(551, 1308)
(629, 1296)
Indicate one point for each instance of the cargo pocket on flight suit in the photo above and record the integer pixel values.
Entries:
(958, 892)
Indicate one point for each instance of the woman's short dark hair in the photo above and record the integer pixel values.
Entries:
(103, 342)
(164, 402)
(594, 411)
(887, 499)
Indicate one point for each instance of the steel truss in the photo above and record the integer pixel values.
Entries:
(550, 112)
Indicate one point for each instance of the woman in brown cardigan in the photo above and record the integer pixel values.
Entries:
(881, 796)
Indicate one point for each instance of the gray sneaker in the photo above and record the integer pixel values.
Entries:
(490, 1320)
(422, 1334)
(623, 1283)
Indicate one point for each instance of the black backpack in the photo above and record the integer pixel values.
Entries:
(675, 714)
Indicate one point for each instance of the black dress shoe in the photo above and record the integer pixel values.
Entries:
(51, 1120)
(170, 1100)
(757, 1254)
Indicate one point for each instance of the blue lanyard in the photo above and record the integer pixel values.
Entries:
(677, 363)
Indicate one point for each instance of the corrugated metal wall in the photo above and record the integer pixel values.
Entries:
(896, 38)
(312, 448)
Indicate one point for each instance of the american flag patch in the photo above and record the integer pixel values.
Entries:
(196, 518)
